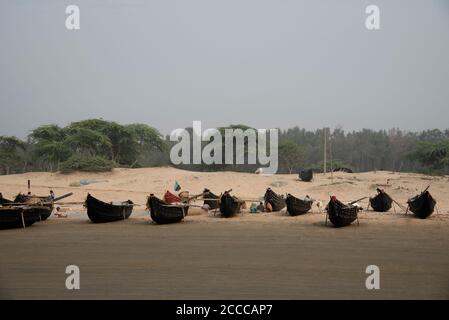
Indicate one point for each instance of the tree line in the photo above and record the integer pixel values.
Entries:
(100, 145)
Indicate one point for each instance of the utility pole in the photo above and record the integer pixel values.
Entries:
(325, 149)
(332, 159)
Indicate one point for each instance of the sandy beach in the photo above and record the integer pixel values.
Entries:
(254, 256)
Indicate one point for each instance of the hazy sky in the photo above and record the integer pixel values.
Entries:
(265, 63)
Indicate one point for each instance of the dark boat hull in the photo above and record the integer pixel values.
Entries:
(422, 205)
(211, 203)
(340, 214)
(229, 205)
(306, 175)
(382, 202)
(277, 202)
(45, 211)
(161, 213)
(296, 207)
(101, 212)
(11, 217)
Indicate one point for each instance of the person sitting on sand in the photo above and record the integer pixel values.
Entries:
(260, 207)
(59, 214)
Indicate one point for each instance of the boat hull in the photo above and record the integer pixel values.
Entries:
(102, 212)
(162, 213)
(229, 205)
(341, 215)
(422, 205)
(11, 217)
(296, 207)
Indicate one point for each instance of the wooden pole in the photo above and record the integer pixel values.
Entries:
(405, 209)
(29, 186)
(332, 160)
(63, 196)
(325, 149)
(355, 201)
(23, 219)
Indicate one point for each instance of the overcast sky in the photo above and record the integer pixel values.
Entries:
(265, 63)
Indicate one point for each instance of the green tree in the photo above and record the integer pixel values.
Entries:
(291, 156)
(146, 137)
(434, 156)
(121, 147)
(87, 142)
(11, 150)
(49, 145)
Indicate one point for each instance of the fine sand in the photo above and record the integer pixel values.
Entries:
(269, 256)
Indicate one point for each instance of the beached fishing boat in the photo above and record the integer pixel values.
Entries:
(229, 205)
(209, 199)
(296, 206)
(341, 214)
(44, 209)
(306, 175)
(382, 202)
(99, 211)
(43, 201)
(422, 205)
(163, 212)
(276, 201)
(18, 216)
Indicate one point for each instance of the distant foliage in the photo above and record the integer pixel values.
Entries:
(53, 148)
(99, 145)
(12, 154)
(433, 156)
(291, 156)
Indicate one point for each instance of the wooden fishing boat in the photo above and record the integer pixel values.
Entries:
(229, 205)
(422, 205)
(100, 212)
(163, 212)
(44, 209)
(341, 214)
(18, 216)
(43, 201)
(382, 202)
(306, 175)
(209, 199)
(276, 201)
(296, 206)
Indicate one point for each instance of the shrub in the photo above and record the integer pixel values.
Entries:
(86, 163)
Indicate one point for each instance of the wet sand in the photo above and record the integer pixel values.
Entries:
(271, 256)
